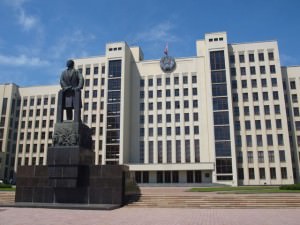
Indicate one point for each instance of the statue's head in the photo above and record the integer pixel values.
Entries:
(70, 64)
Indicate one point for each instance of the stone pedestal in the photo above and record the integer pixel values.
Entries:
(70, 175)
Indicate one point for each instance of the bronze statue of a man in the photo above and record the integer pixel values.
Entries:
(69, 97)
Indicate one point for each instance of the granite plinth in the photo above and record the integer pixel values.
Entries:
(95, 184)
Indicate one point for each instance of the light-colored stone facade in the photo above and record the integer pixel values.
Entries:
(218, 117)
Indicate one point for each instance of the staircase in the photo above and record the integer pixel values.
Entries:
(215, 200)
(7, 197)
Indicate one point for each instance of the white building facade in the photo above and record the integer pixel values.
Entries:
(227, 115)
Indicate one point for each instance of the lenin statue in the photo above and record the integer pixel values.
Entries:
(69, 97)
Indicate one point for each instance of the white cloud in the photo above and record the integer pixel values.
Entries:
(68, 43)
(22, 60)
(159, 32)
(27, 21)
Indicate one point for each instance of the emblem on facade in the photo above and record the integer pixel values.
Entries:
(167, 63)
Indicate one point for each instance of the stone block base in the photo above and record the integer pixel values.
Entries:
(103, 184)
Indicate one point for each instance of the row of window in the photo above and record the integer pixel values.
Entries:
(263, 82)
(257, 124)
(37, 112)
(95, 82)
(262, 70)
(35, 135)
(176, 79)
(251, 57)
(176, 118)
(261, 156)
(256, 110)
(262, 173)
(167, 92)
(259, 140)
(38, 101)
(95, 70)
(169, 105)
(245, 96)
(168, 131)
(36, 124)
(94, 94)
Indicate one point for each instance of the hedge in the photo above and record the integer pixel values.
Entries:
(290, 187)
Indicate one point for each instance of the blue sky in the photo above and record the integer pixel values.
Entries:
(38, 36)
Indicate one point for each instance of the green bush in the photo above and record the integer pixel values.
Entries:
(5, 185)
(290, 187)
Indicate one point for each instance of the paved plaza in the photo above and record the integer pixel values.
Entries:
(149, 216)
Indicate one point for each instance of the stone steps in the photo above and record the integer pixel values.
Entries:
(215, 201)
(7, 197)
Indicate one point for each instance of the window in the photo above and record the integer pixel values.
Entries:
(273, 173)
(280, 139)
(257, 125)
(95, 82)
(272, 69)
(268, 125)
(233, 71)
(246, 110)
(271, 56)
(87, 71)
(267, 110)
(251, 57)
(278, 124)
(176, 80)
(283, 171)
(94, 93)
(158, 81)
(265, 96)
(277, 109)
(275, 95)
(262, 69)
(186, 104)
(241, 58)
(255, 96)
(282, 155)
(296, 111)
(244, 83)
(256, 110)
(195, 116)
(259, 141)
(269, 139)
(260, 155)
(96, 68)
(245, 97)
(87, 82)
(263, 82)
(249, 140)
(159, 93)
(293, 84)
(185, 92)
(194, 79)
(274, 82)
(243, 70)
(262, 173)
(261, 56)
(252, 70)
(271, 156)
(185, 79)
(247, 125)
(251, 173)
(250, 157)
(294, 98)
(253, 83)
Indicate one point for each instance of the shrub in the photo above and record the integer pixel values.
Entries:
(290, 187)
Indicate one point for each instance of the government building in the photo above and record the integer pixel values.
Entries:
(228, 115)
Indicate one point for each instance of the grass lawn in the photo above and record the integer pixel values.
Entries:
(244, 190)
(8, 189)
